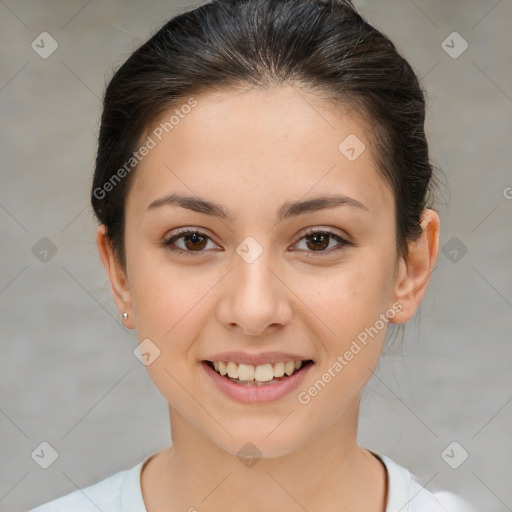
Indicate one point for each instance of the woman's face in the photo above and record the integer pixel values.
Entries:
(257, 282)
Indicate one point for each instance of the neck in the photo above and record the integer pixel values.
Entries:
(328, 471)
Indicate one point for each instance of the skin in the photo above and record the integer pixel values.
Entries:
(252, 152)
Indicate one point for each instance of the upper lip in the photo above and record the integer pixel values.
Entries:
(256, 359)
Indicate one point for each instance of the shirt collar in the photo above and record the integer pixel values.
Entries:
(398, 490)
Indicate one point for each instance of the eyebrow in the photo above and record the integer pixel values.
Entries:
(287, 210)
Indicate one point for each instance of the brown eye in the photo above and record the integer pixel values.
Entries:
(193, 242)
(317, 241)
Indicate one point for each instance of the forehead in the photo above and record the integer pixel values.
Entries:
(259, 146)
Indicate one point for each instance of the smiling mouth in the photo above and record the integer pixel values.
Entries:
(261, 375)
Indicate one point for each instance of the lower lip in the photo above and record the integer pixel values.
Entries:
(256, 394)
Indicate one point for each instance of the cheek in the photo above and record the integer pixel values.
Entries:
(347, 323)
(165, 299)
(168, 310)
(349, 298)
(169, 305)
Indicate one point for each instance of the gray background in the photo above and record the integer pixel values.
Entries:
(68, 373)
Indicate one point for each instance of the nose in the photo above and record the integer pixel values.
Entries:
(255, 298)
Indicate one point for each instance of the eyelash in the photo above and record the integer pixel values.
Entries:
(168, 243)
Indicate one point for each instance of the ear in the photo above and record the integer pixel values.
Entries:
(117, 276)
(414, 273)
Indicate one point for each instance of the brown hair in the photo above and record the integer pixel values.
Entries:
(324, 46)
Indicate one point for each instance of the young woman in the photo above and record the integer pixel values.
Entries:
(262, 187)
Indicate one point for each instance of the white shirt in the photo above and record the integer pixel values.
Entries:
(122, 492)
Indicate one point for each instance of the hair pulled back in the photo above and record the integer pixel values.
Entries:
(325, 46)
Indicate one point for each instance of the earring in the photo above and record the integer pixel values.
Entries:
(125, 316)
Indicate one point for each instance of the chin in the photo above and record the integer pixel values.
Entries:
(257, 439)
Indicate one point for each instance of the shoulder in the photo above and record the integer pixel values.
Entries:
(406, 494)
(108, 495)
(423, 500)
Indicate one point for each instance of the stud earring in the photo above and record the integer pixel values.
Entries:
(125, 316)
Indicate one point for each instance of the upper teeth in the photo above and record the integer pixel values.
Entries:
(261, 373)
